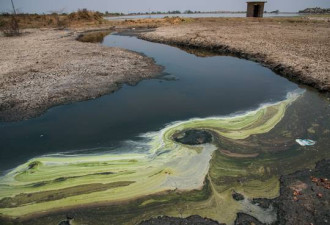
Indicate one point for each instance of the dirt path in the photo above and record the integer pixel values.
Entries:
(41, 69)
(295, 48)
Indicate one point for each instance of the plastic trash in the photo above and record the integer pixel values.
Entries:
(305, 142)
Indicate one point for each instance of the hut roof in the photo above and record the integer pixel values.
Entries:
(256, 1)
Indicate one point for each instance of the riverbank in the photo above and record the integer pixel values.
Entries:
(44, 68)
(296, 48)
(31, 81)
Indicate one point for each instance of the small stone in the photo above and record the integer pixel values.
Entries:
(238, 196)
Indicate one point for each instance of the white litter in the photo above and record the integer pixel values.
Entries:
(305, 142)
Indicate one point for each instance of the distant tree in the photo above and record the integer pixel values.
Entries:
(174, 12)
(59, 21)
(276, 11)
(188, 12)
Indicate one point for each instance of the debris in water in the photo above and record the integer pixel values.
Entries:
(305, 142)
(323, 182)
(237, 196)
(296, 193)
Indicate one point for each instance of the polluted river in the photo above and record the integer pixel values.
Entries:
(180, 144)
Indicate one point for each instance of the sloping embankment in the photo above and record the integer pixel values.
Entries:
(298, 49)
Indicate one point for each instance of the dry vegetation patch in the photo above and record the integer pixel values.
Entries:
(84, 19)
(56, 20)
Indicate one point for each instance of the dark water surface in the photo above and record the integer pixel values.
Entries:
(194, 87)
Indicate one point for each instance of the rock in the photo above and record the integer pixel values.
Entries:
(193, 137)
(316, 10)
(238, 196)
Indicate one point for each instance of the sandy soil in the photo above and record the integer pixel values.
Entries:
(295, 48)
(40, 69)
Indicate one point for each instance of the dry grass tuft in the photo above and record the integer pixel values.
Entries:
(55, 20)
(86, 15)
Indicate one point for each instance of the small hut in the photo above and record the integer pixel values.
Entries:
(255, 8)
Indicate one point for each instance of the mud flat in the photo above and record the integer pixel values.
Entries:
(305, 196)
(296, 48)
(44, 68)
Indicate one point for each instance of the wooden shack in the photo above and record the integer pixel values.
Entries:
(255, 8)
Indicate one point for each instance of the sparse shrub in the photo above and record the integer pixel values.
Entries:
(84, 14)
(62, 23)
(10, 28)
(2, 23)
(59, 22)
(50, 21)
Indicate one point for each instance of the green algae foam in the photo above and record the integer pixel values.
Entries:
(48, 183)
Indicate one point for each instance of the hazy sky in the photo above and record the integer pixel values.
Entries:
(125, 6)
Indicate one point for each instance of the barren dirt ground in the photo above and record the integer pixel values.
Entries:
(43, 68)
